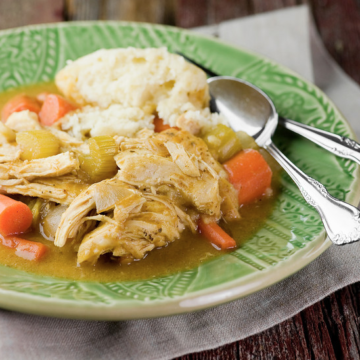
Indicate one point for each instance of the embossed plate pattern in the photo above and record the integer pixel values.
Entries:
(292, 236)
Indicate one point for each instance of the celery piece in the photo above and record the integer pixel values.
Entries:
(100, 163)
(246, 140)
(222, 142)
(37, 144)
(7, 132)
(35, 209)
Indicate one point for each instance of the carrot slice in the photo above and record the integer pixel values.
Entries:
(30, 250)
(250, 174)
(42, 96)
(9, 241)
(19, 103)
(160, 126)
(54, 108)
(216, 235)
(26, 249)
(15, 216)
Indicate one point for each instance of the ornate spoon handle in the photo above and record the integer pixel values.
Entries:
(341, 220)
(338, 145)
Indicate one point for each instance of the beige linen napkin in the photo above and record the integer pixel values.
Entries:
(34, 337)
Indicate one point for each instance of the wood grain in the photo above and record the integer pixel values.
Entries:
(153, 11)
(260, 6)
(221, 10)
(77, 10)
(190, 13)
(339, 26)
(326, 330)
(26, 12)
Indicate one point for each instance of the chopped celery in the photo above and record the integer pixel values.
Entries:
(35, 209)
(222, 142)
(100, 163)
(7, 132)
(37, 144)
(246, 140)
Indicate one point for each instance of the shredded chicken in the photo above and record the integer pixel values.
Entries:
(69, 143)
(6, 134)
(189, 166)
(51, 166)
(72, 186)
(153, 224)
(72, 219)
(23, 121)
(133, 223)
(22, 187)
(142, 168)
(230, 202)
(179, 160)
(9, 152)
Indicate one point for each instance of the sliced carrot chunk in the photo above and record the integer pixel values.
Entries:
(19, 103)
(160, 126)
(54, 108)
(30, 250)
(15, 216)
(250, 174)
(216, 235)
(26, 249)
(42, 96)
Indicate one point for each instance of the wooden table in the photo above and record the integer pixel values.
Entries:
(329, 329)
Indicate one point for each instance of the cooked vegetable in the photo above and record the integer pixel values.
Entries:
(7, 132)
(216, 235)
(250, 174)
(42, 96)
(37, 144)
(54, 108)
(247, 141)
(26, 249)
(35, 209)
(222, 142)
(160, 126)
(52, 220)
(100, 163)
(15, 216)
(19, 103)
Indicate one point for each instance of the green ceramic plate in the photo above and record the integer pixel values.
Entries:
(292, 236)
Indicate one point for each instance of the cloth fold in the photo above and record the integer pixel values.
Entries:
(166, 338)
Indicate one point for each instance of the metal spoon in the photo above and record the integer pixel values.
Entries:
(336, 144)
(256, 115)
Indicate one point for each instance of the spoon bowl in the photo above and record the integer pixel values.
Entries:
(255, 113)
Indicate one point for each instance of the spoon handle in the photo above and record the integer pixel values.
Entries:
(338, 145)
(341, 220)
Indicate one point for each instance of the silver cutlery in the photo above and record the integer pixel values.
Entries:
(339, 145)
(248, 108)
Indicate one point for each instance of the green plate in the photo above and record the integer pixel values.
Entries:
(292, 236)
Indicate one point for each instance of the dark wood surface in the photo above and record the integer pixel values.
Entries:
(330, 328)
